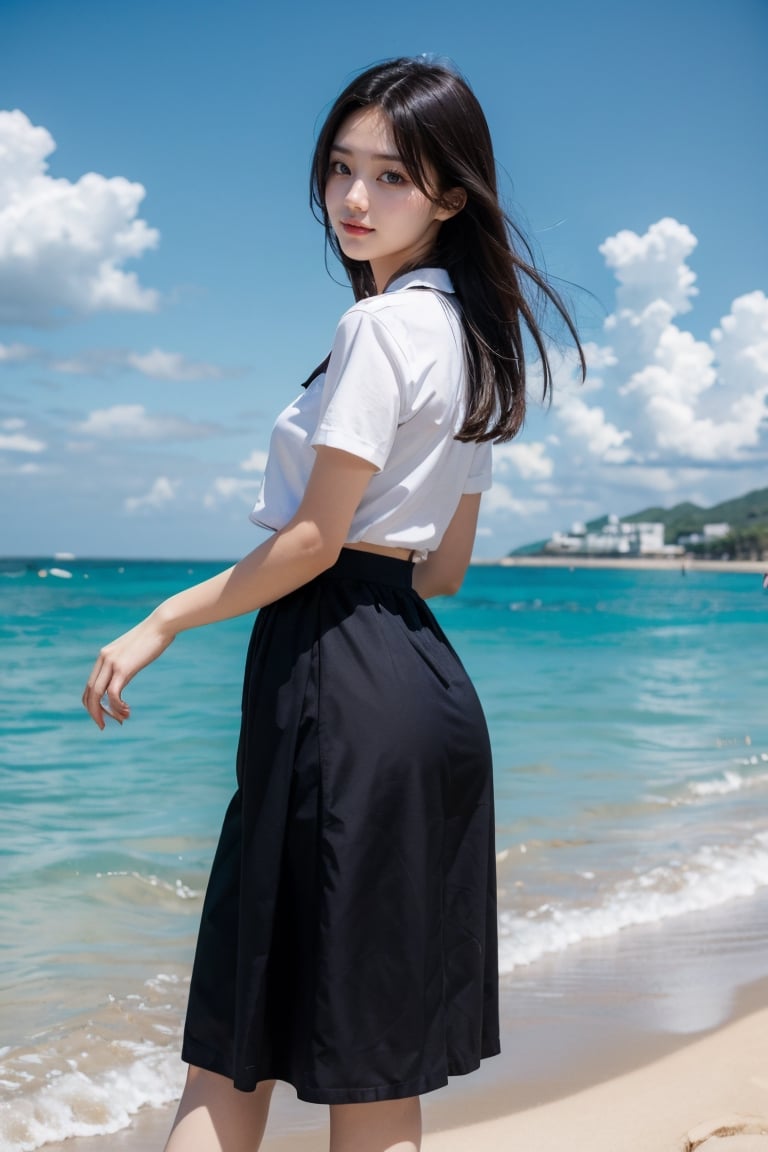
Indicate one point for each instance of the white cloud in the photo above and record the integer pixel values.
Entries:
(9, 467)
(741, 341)
(162, 365)
(500, 498)
(87, 364)
(63, 244)
(256, 462)
(589, 426)
(666, 397)
(652, 267)
(157, 364)
(598, 356)
(162, 492)
(225, 488)
(529, 461)
(133, 422)
(19, 441)
(11, 352)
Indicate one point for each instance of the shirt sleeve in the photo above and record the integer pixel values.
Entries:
(480, 476)
(361, 398)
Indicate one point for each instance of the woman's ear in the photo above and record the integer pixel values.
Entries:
(451, 203)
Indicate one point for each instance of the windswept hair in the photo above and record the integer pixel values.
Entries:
(443, 139)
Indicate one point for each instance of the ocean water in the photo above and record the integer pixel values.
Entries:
(628, 718)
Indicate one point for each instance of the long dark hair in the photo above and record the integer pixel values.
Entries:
(443, 139)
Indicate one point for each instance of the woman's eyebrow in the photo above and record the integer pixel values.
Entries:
(374, 155)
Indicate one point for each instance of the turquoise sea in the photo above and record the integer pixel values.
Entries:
(628, 717)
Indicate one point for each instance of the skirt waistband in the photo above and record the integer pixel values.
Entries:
(354, 564)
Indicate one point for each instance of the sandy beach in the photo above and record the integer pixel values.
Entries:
(635, 564)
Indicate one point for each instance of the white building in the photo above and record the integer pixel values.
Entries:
(613, 539)
(708, 533)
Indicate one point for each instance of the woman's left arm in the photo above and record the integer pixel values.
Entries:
(294, 555)
(442, 573)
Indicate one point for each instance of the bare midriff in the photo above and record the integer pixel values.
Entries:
(382, 550)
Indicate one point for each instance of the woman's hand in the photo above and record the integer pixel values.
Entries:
(116, 666)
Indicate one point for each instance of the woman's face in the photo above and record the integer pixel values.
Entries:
(377, 212)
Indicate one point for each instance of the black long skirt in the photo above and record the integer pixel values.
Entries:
(348, 937)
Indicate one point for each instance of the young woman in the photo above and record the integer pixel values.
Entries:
(348, 936)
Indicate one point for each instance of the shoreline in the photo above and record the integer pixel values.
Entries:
(639, 564)
(600, 1052)
(649, 1106)
(537, 560)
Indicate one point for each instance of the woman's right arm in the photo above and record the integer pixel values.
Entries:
(443, 571)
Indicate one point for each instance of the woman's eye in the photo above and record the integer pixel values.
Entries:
(393, 178)
(339, 168)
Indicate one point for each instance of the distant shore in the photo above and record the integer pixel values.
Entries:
(537, 560)
(640, 563)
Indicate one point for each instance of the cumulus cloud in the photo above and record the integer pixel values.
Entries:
(11, 352)
(14, 439)
(256, 462)
(501, 498)
(226, 488)
(64, 244)
(19, 442)
(653, 266)
(133, 422)
(10, 467)
(530, 461)
(658, 396)
(157, 365)
(162, 492)
(162, 365)
(595, 433)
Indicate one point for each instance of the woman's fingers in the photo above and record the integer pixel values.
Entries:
(102, 695)
(116, 666)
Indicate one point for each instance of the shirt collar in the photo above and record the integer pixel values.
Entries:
(436, 278)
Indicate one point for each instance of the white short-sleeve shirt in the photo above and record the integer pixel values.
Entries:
(394, 393)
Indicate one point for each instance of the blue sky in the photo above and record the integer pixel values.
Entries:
(162, 281)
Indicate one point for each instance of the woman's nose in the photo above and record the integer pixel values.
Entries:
(357, 196)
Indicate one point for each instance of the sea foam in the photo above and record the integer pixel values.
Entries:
(76, 1104)
(730, 781)
(710, 877)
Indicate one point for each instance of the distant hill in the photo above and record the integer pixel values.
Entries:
(750, 511)
(745, 512)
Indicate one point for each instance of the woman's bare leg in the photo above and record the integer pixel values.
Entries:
(384, 1126)
(214, 1117)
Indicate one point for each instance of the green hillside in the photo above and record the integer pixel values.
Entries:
(750, 511)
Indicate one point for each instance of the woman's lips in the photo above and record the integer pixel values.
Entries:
(354, 229)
